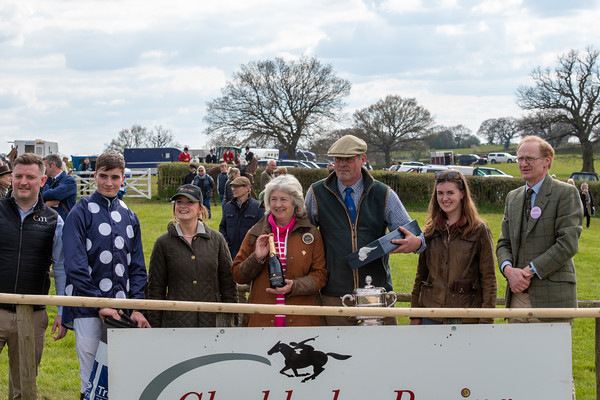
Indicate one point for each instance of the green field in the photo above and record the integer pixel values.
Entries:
(58, 377)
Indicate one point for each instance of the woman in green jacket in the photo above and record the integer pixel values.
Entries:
(191, 262)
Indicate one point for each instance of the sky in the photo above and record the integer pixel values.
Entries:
(77, 71)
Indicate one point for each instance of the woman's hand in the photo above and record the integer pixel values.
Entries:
(261, 248)
(282, 290)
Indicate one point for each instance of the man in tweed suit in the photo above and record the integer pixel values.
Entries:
(537, 244)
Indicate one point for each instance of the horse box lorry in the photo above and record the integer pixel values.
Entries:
(38, 146)
(149, 157)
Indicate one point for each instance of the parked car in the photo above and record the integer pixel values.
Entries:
(396, 167)
(490, 172)
(495, 158)
(470, 159)
(286, 163)
(425, 168)
(584, 176)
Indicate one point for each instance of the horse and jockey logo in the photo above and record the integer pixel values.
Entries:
(301, 355)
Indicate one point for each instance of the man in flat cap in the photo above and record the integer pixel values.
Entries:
(5, 180)
(239, 215)
(353, 209)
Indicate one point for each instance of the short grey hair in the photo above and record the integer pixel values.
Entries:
(54, 158)
(290, 185)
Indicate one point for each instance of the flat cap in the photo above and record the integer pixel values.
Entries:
(347, 146)
(280, 170)
(240, 181)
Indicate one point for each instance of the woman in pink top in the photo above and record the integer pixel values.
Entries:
(300, 248)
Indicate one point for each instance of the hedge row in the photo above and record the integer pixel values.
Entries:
(411, 187)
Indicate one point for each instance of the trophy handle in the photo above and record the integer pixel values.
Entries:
(347, 296)
(394, 297)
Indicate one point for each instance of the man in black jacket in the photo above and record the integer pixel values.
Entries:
(31, 240)
(189, 178)
(239, 215)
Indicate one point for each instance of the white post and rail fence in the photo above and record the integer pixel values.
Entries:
(25, 303)
(139, 183)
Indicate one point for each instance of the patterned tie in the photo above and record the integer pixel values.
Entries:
(350, 204)
(528, 203)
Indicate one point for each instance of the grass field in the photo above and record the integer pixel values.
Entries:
(58, 377)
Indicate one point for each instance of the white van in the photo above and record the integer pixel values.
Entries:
(266, 153)
(501, 157)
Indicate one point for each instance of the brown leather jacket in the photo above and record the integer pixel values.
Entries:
(305, 266)
(448, 259)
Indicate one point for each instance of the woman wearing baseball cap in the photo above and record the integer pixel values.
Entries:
(191, 262)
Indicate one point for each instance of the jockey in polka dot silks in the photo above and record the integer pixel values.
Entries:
(106, 257)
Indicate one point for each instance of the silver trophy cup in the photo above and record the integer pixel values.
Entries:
(369, 296)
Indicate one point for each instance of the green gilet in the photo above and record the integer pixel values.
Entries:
(341, 238)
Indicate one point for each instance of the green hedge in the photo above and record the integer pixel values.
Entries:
(170, 177)
(411, 187)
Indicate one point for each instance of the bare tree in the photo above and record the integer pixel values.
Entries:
(541, 123)
(450, 137)
(500, 130)
(393, 124)
(140, 136)
(277, 102)
(321, 144)
(572, 91)
(487, 129)
(461, 133)
(160, 137)
(137, 136)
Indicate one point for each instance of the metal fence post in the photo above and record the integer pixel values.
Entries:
(27, 364)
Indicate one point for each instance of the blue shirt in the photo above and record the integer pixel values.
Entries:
(395, 213)
(536, 189)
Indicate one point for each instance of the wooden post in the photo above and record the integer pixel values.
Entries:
(597, 358)
(27, 364)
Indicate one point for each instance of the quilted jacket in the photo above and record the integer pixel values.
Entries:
(200, 271)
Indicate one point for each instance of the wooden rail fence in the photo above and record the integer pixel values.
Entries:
(25, 303)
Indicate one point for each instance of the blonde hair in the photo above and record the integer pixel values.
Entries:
(202, 212)
(233, 173)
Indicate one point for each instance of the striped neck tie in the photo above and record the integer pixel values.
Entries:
(350, 204)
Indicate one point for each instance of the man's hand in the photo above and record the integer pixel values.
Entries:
(57, 327)
(409, 244)
(518, 279)
(108, 312)
(139, 318)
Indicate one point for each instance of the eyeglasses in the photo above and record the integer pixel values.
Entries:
(445, 175)
(527, 160)
(339, 160)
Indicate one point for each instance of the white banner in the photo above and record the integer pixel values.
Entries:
(491, 362)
